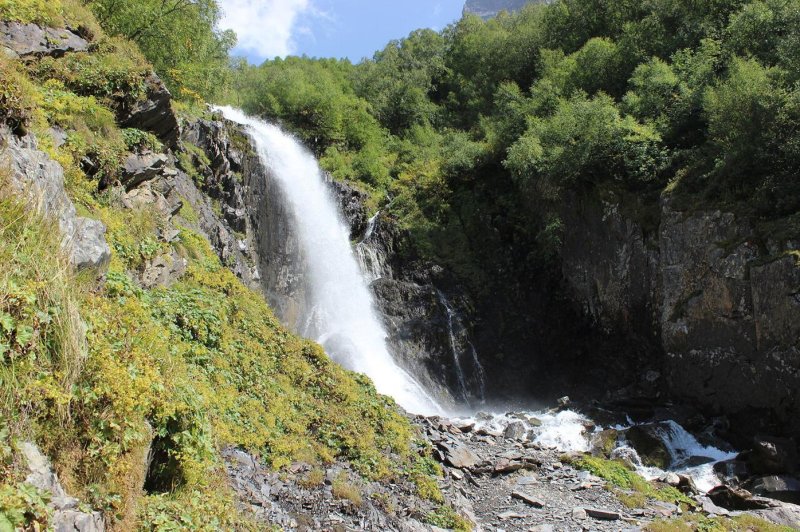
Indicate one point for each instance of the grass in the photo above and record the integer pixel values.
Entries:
(632, 490)
(313, 479)
(345, 490)
(701, 523)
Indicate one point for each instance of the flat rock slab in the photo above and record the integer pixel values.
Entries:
(528, 499)
(459, 456)
(605, 515)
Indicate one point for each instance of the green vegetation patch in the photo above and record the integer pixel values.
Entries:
(631, 488)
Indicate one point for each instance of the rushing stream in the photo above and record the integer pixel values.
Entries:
(342, 315)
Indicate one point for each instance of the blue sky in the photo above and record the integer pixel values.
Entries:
(329, 28)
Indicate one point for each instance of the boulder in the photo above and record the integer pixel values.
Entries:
(35, 176)
(772, 456)
(33, 40)
(459, 456)
(66, 515)
(652, 450)
(736, 499)
(603, 442)
(515, 431)
(141, 167)
(154, 113)
(89, 249)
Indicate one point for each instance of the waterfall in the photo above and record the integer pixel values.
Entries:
(454, 327)
(342, 315)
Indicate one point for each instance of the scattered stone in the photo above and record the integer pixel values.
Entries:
(457, 474)
(465, 426)
(530, 500)
(504, 465)
(510, 515)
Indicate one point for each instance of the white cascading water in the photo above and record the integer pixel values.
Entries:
(342, 316)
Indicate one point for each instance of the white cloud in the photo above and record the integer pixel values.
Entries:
(265, 27)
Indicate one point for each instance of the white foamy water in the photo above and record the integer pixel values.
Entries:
(685, 450)
(565, 431)
(342, 315)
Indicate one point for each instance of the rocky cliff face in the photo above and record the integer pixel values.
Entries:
(717, 306)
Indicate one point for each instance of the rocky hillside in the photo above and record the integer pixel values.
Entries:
(138, 355)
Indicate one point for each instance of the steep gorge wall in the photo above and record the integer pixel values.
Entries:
(717, 306)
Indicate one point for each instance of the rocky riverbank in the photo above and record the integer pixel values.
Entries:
(510, 473)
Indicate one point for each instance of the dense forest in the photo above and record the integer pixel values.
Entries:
(452, 127)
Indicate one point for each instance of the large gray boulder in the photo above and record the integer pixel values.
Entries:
(38, 178)
(33, 40)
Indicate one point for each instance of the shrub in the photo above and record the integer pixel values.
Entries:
(17, 96)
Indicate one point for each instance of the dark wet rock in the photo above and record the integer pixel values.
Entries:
(352, 203)
(696, 287)
(154, 113)
(33, 40)
(732, 472)
(647, 441)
